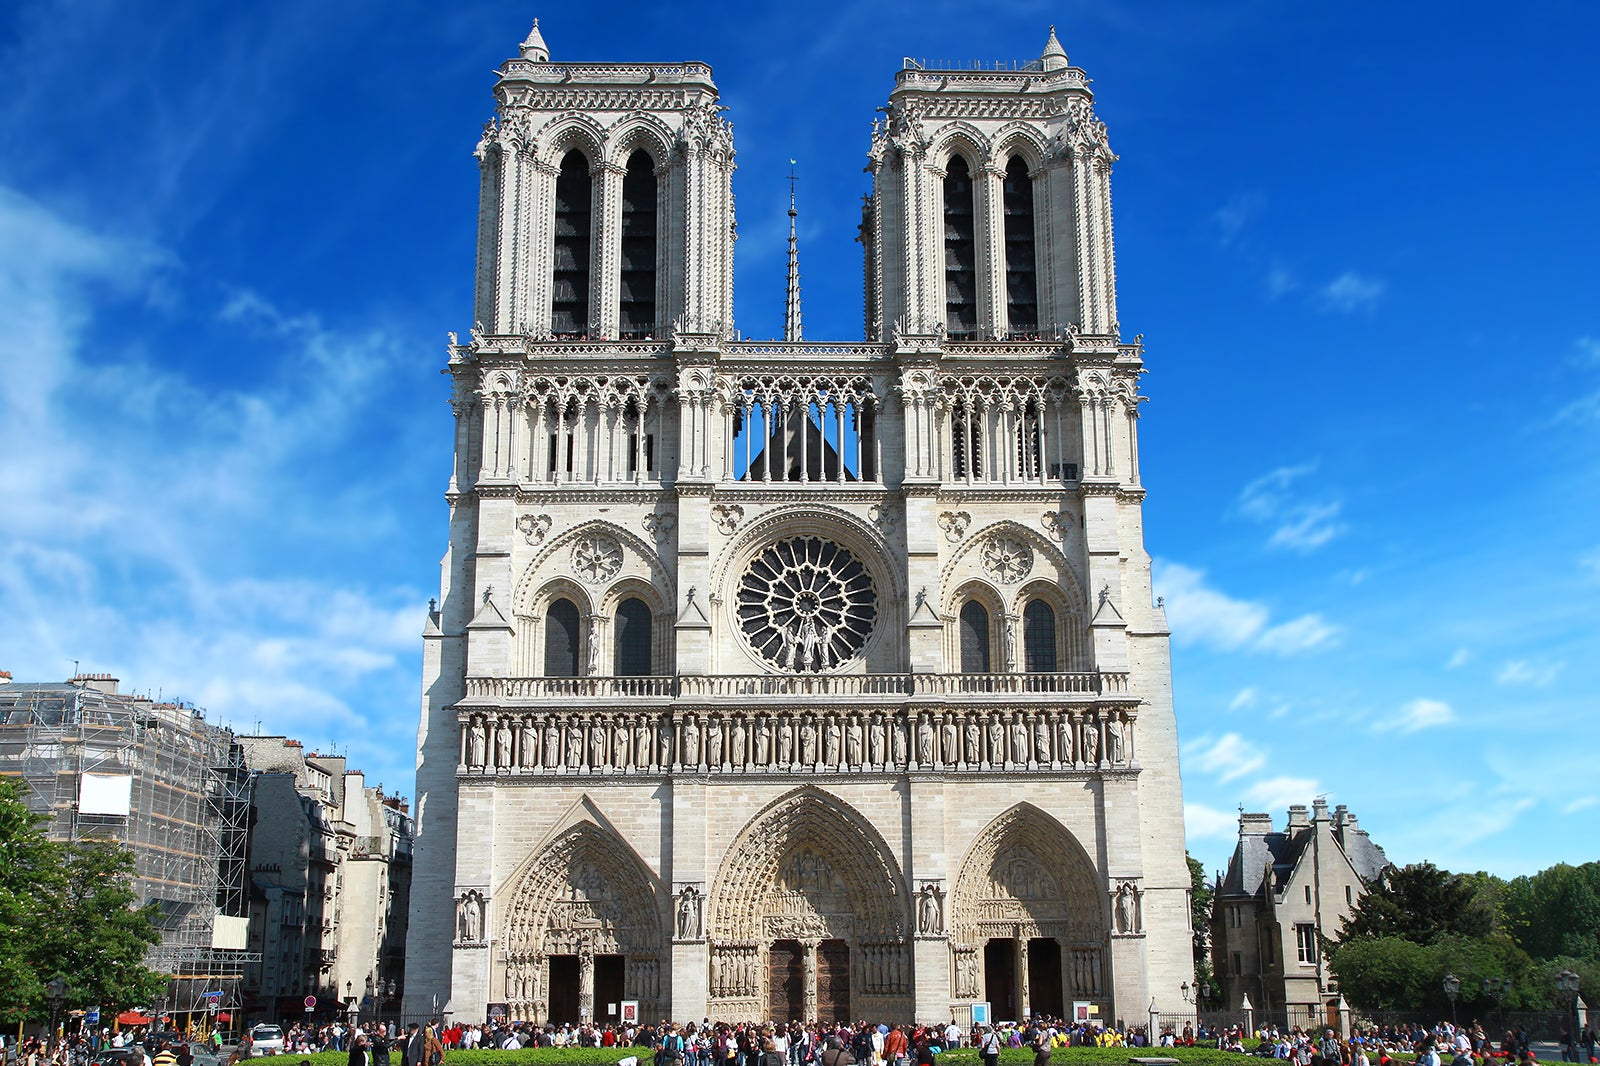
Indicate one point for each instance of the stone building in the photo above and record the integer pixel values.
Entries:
(795, 679)
(330, 868)
(1284, 892)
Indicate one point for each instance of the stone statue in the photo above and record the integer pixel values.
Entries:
(1127, 908)
(469, 918)
(574, 744)
(664, 744)
(597, 745)
(924, 741)
(930, 921)
(1091, 742)
(502, 745)
(830, 741)
(875, 740)
(691, 741)
(785, 742)
(763, 754)
(1019, 740)
(947, 740)
(592, 648)
(808, 741)
(552, 742)
(997, 740)
(739, 752)
(714, 742)
(527, 744)
(476, 738)
(897, 741)
(619, 743)
(1064, 738)
(1114, 741)
(974, 740)
(641, 741)
(689, 914)
(1041, 739)
(852, 741)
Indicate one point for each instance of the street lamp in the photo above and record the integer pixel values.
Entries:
(1567, 986)
(56, 992)
(1497, 988)
(1452, 988)
(1195, 993)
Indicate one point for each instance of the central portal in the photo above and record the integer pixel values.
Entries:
(786, 974)
(833, 982)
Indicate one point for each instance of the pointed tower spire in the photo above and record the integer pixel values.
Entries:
(791, 317)
(1054, 56)
(534, 47)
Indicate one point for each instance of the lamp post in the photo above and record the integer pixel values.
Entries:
(1196, 993)
(1452, 988)
(1497, 988)
(1567, 987)
(56, 993)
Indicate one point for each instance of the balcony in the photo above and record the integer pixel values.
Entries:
(1044, 687)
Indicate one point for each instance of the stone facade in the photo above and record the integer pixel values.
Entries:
(795, 679)
(1284, 892)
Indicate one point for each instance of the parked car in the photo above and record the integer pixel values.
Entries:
(132, 1055)
(266, 1040)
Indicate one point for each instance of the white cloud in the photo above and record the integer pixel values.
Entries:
(1418, 714)
(1207, 823)
(1582, 803)
(1245, 698)
(1299, 525)
(1232, 218)
(1534, 675)
(1460, 658)
(1228, 757)
(1280, 281)
(1588, 349)
(1351, 293)
(1278, 793)
(1200, 614)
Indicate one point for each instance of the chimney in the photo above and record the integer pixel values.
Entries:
(1319, 810)
(99, 682)
(1298, 817)
(1251, 824)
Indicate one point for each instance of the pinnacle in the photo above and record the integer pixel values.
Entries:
(534, 47)
(1054, 56)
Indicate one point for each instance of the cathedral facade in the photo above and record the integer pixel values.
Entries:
(793, 679)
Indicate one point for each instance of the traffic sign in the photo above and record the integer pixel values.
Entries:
(311, 1002)
(91, 1016)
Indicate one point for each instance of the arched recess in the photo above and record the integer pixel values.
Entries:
(584, 892)
(958, 626)
(1026, 877)
(1071, 619)
(661, 619)
(531, 607)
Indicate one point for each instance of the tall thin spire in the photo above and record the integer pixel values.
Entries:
(791, 317)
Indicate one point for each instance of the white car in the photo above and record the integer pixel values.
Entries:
(266, 1040)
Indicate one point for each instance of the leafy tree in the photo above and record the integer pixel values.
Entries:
(1421, 903)
(98, 938)
(30, 872)
(1556, 912)
(1202, 897)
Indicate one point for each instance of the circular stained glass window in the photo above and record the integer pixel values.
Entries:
(806, 604)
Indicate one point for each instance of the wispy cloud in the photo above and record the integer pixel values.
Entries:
(1297, 524)
(1524, 672)
(1582, 803)
(1200, 614)
(1231, 219)
(1351, 293)
(1417, 715)
(1279, 793)
(1227, 757)
(1201, 822)
(1246, 697)
(1459, 658)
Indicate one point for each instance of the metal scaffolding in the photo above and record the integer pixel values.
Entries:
(159, 779)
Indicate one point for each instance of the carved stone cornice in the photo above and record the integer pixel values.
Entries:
(643, 495)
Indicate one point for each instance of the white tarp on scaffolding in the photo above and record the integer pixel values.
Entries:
(232, 934)
(105, 794)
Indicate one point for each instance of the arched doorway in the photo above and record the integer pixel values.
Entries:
(808, 918)
(583, 929)
(1028, 927)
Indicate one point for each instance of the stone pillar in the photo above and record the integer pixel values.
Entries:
(688, 994)
(1023, 993)
(808, 954)
(586, 983)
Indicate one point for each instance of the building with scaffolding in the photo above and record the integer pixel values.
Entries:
(330, 883)
(156, 777)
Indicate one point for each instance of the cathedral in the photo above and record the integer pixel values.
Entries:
(796, 679)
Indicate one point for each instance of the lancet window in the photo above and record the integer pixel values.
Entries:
(631, 636)
(1039, 638)
(1022, 290)
(1031, 424)
(974, 628)
(807, 430)
(960, 253)
(593, 430)
(569, 309)
(637, 318)
(562, 639)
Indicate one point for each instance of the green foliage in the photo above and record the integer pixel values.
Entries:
(1556, 912)
(1421, 903)
(1201, 896)
(67, 910)
(1390, 973)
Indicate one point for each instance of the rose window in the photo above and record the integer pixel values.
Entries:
(596, 558)
(806, 604)
(1007, 559)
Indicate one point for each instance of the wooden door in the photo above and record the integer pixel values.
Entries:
(786, 975)
(833, 981)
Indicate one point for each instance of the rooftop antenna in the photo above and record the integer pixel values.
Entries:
(791, 316)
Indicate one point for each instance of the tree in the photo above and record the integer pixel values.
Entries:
(1201, 899)
(1421, 903)
(1556, 912)
(30, 873)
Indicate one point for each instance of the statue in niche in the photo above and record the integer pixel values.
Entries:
(502, 745)
(1114, 741)
(1041, 739)
(997, 740)
(974, 740)
(930, 911)
(664, 743)
(830, 741)
(897, 741)
(947, 740)
(619, 743)
(476, 743)
(1019, 739)
(597, 745)
(469, 918)
(1127, 908)
(641, 741)
(763, 739)
(875, 740)
(574, 744)
(528, 744)
(552, 742)
(689, 913)
(785, 742)
(924, 740)
(808, 741)
(691, 741)
(739, 752)
(714, 741)
(591, 652)
(1091, 742)
(852, 741)
(1064, 738)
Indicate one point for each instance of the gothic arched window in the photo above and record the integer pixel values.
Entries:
(637, 318)
(630, 648)
(561, 639)
(974, 638)
(966, 441)
(1022, 290)
(960, 253)
(1039, 638)
(569, 302)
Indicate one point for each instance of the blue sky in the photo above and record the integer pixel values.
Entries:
(1359, 239)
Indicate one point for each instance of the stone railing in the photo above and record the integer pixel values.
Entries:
(796, 686)
(745, 737)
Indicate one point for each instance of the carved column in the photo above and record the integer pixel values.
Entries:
(808, 955)
(1022, 971)
(586, 982)
(608, 181)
